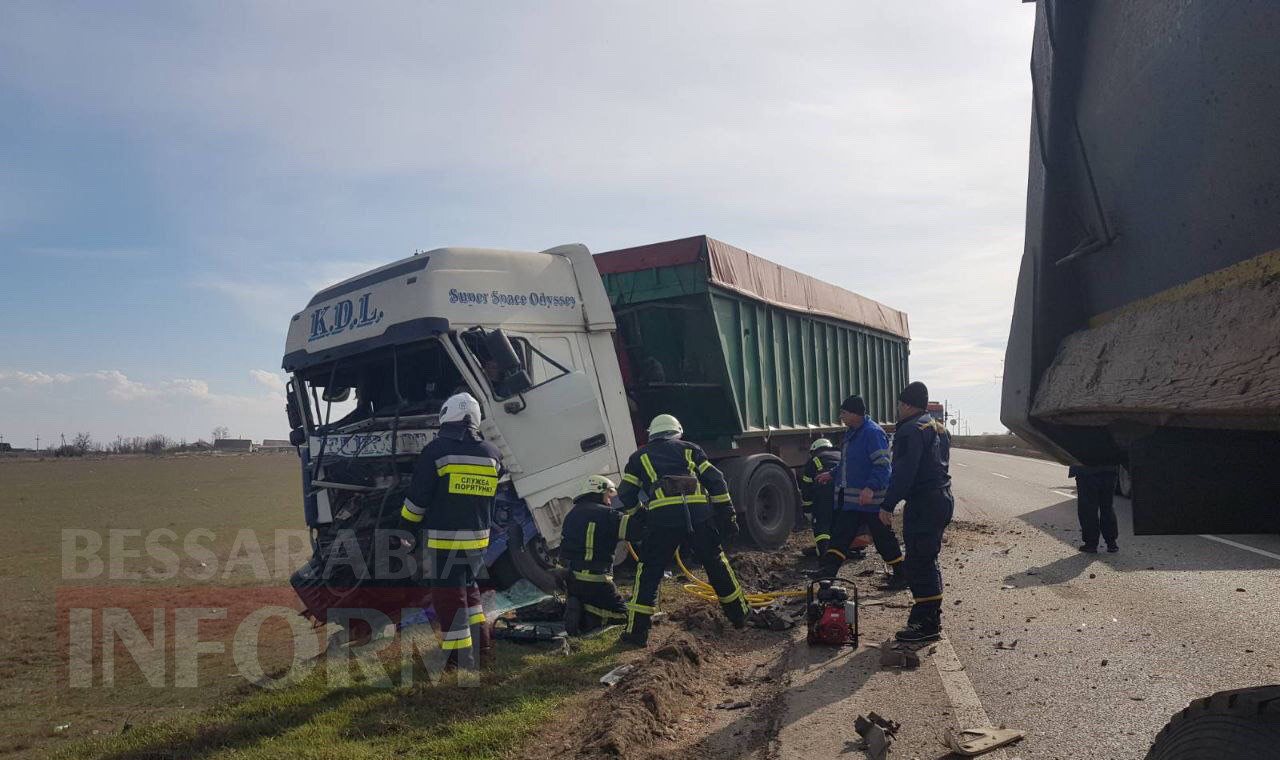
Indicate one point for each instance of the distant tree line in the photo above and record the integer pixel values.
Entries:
(83, 443)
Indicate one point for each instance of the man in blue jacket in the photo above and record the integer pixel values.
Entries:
(861, 480)
(921, 452)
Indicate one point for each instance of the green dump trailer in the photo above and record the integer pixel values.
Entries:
(754, 359)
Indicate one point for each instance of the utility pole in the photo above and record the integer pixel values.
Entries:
(37, 442)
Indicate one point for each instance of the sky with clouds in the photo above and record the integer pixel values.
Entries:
(176, 179)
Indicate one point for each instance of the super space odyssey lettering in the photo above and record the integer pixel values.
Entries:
(503, 300)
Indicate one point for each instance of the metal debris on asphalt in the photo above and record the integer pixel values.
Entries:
(897, 655)
(877, 734)
(976, 741)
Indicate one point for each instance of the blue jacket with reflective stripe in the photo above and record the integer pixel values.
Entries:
(864, 463)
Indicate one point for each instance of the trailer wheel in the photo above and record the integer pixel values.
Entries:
(1242, 723)
(769, 506)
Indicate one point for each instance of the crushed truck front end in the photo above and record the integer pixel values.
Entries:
(373, 358)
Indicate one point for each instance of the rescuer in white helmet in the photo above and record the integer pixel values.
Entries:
(818, 498)
(687, 503)
(447, 509)
(589, 539)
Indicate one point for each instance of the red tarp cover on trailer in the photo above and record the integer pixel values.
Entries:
(749, 275)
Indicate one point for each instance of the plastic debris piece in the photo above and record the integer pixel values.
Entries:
(616, 675)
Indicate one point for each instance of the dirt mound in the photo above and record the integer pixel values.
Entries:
(767, 571)
(648, 700)
(700, 618)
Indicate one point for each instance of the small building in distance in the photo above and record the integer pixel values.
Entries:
(233, 445)
(6, 447)
(274, 444)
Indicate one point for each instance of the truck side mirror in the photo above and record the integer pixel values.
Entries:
(291, 408)
(512, 374)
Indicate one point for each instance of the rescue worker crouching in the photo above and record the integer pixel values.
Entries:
(818, 494)
(448, 504)
(684, 491)
(860, 483)
(921, 452)
(590, 535)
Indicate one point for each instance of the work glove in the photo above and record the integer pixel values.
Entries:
(727, 524)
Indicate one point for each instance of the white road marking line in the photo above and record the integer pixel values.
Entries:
(965, 702)
(998, 475)
(1064, 493)
(1239, 545)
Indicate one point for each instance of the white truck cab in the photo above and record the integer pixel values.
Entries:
(530, 335)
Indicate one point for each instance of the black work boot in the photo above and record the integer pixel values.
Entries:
(922, 625)
(897, 581)
(1089, 548)
(633, 640)
(573, 616)
(1113, 547)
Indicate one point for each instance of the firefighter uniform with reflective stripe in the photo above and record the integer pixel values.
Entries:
(672, 520)
(819, 498)
(589, 537)
(447, 509)
(864, 464)
(920, 476)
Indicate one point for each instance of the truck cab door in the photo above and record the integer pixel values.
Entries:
(555, 430)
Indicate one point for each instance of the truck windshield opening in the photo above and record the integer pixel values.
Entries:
(407, 380)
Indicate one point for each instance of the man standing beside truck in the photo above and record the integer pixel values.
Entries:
(684, 491)
(920, 477)
(449, 500)
(1095, 492)
(860, 483)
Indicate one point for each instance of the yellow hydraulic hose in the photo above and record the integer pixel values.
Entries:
(704, 591)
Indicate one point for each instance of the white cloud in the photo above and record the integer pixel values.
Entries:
(272, 381)
(108, 403)
(35, 378)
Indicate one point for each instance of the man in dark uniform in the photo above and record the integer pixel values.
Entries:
(818, 494)
(860, 487)
(920, 476)
(1095, 491)
(684, 491)
(590, 534)
(448, 504)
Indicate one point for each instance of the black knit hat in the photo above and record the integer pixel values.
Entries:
(854, 405)
(915, 394)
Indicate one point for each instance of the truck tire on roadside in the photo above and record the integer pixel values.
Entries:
(1242, 723)
(769, 505)
(531, 559)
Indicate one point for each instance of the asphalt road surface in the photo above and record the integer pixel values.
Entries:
(1089, 654)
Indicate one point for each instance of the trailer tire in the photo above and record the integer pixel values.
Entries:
(1242, 723)
(769, 506)
(531, 559)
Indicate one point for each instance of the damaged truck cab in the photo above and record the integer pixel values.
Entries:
(372, 359)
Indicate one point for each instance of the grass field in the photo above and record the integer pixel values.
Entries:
(41, 498)
(322, 716)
